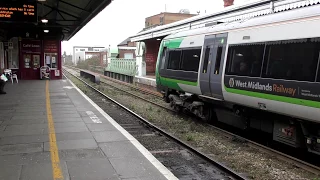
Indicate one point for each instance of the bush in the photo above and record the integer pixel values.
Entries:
(93, 61)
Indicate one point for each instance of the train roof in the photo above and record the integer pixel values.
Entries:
(307, 12)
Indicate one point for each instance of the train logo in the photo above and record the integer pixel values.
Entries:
(231, 82)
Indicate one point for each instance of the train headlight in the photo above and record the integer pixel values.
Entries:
(318, 141)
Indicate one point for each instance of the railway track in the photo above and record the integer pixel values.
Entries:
(290, 159)
(143, 90)
(184, 161)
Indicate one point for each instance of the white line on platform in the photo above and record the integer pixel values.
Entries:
(168, 174)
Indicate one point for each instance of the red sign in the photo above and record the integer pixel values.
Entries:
(51, 46)
(31, 46)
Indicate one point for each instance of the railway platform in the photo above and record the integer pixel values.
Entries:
(51, 130)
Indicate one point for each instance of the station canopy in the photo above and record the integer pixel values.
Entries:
(27, 18)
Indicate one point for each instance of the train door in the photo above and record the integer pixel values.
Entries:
(206, 64)
(219, 50)
(211, 72)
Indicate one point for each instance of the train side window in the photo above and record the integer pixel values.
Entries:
(292, 60)
(245, 59)
(218, 60)
(190, 59)
(174, 59)
(206, 59)
(163, 57)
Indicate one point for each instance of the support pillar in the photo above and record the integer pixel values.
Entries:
(140, 61)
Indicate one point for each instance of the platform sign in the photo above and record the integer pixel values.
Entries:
(18, 11)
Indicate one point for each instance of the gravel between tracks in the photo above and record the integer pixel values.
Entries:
(237, 155)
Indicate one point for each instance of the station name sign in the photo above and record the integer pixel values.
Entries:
(18, 12)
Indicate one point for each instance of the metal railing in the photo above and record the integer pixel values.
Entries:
(122, 66)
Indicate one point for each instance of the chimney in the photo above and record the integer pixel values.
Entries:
(228, 3)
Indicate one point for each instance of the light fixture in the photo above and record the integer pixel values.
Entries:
(44, 20)
(46, 30)
(158, 39)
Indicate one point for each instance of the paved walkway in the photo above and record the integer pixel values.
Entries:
(49, 130)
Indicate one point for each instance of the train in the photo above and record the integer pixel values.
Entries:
(258, 73)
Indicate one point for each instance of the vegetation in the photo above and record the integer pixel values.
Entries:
(93, 61)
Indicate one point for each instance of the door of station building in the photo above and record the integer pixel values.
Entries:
(31, 66)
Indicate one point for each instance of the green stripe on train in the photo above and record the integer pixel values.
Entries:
(173, 43)
(297, 101)
(174, 83)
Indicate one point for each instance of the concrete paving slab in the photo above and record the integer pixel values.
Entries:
(28, 121)
(36, 113)
(77, 133)
(80, 154)
(74, 115)
(10, 172)
(64, 112)
(98, 120)
(42, 171)
(27, 117)
(69, 124)
(21, 132)
(120, 149)
(108, 136)
(68, 129)
(67, 119)
(21, 148)
(128, 167)
(101, 127)
(98, 169)
(74, 136)
(24, 139)
(73, 144)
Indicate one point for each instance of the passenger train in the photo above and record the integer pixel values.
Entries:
(258, 73)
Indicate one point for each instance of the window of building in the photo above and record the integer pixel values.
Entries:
(174, 60)
(245, 59)
(292, 60)
(128, 55)
(190, 60)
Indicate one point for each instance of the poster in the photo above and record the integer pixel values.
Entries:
(53, 59)
(57, 72)
(48, 60)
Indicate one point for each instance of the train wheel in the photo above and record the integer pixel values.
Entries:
(208, 114)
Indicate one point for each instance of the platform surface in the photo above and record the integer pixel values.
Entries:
(90, 145)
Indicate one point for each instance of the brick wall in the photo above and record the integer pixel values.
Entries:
(152, 47)
(167, 18)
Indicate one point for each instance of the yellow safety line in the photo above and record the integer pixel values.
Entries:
(55, 161)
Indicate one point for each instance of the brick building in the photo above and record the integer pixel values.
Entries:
(126, 49)
(165, 18)
(153, 45)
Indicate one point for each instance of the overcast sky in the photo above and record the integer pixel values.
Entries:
(124, 18)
